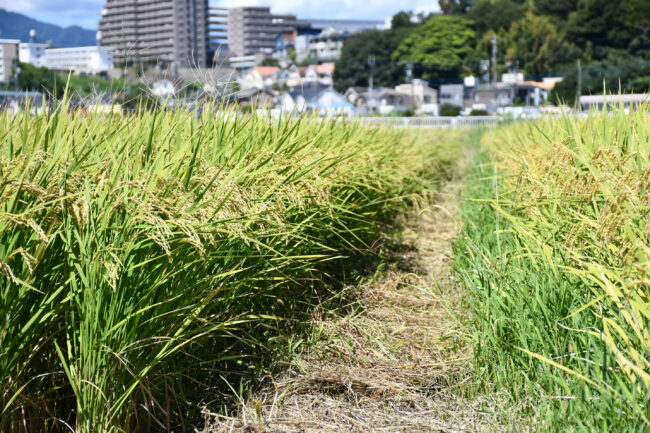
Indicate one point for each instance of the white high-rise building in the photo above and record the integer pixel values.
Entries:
(8, 58)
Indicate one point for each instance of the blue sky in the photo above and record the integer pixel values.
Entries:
(86, 12)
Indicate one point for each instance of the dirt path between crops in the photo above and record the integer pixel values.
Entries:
(399, 363)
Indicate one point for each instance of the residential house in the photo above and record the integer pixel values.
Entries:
(386, 101)
(416, 95)
(452, 94)
(534, 93)
(423, 97)
(487, 98)
(294, 45)
(353, 94)
(327, 46)
(383, 100)
(257, 98)
(260, 77)
(493, 98)
(306, 42)
(311, 76)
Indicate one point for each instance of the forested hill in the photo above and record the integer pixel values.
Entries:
(17, 26)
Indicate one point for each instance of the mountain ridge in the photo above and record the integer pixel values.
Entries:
(17, 26)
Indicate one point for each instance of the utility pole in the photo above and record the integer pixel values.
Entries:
(495, 48)
(408, 69)
(409, 79)
(371, 64)
(579, 92)
(495, 57)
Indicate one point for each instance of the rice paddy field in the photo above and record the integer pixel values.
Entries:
(556, 256)
(147, 260)
(152, 263)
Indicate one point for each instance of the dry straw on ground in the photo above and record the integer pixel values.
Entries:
(398, 362)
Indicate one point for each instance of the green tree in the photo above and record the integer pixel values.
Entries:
(450, 110)
(441, 44)
(456, 7)
(619, 71)
(556, 8)
(535, 44)
(270, 61)
(601, 24)
(292, 54)
(495, 15)
(639, 20)
(403, 20)
(352, 67)
(309, 60)
(32, 78)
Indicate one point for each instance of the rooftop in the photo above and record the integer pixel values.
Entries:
(265, 71)
(614, 99)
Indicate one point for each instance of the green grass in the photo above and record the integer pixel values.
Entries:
(556, 254)
(145, 257)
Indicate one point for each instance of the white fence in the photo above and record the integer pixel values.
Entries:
(435, 122)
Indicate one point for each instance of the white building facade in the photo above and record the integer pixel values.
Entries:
(8, 58)
(32, 53)
(80, 60)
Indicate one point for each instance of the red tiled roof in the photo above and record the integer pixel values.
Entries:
(265, 71)
(325, 68)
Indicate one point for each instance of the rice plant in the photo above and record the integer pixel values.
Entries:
(557, 254)
(136, 250)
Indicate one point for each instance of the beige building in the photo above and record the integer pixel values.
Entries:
(8, 58)
(165, 31)
(253, 30)
(420, 92)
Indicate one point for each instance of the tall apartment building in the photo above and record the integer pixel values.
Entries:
(218, 29)
(252, 30)
(168, 31)
(8, 59)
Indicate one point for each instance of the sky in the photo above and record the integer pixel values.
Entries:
(85, 13)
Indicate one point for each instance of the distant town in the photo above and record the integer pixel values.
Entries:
(275, 62)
